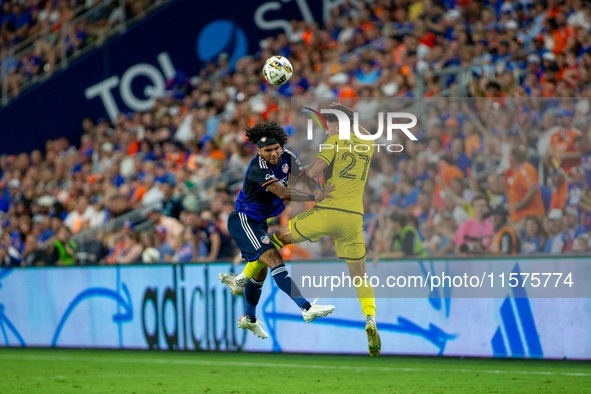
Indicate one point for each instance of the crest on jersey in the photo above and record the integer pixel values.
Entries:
(285, 168)
(265, 240)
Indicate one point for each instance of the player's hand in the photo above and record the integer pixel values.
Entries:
(324, 193)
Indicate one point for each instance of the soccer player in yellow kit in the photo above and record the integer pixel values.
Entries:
(345, 167)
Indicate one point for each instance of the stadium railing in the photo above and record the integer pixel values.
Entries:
(24, 45)
(27, 47)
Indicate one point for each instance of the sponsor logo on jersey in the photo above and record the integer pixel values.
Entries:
(269, 176)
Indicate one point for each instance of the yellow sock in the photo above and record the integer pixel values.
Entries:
(367, 297)
(253, 268)
(278, 244)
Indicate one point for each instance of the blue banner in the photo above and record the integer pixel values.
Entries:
(185, 307)
(128, 72)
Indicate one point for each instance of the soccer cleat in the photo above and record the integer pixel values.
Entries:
(316, 311)
(230, 281)
(374, 343)
(255, 327)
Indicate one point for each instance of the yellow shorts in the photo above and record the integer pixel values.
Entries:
(344, 227)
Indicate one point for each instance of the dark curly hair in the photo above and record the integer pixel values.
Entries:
(270, 129)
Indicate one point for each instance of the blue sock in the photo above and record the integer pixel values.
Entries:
(252, 295)
(285, 283)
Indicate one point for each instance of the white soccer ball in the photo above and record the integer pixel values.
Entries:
(277, 70)
(151, 256)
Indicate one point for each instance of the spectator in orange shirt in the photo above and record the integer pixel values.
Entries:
(564, 36)
(567, 193)
(452, 130)
(549, 77)
(561, 189)
(524, 196)
(472, 139)
(450, 171)
(562, 143)
(553, 8)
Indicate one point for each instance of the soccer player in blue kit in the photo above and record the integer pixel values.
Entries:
(266, 187)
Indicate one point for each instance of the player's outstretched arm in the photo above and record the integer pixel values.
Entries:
(316, 168)
(289, 194)
(313, 184)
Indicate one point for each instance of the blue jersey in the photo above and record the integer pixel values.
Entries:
(254, 200)
(532, 245)
(574, 194)
(586, 163)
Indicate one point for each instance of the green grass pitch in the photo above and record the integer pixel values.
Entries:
(119, 371)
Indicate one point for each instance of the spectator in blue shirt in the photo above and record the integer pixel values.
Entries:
(116, 178)
(166, 250)
(367, 75)
(583, 145)
(555, 242)
(7, 15)
(457, 150)
(533, 236)
(4, 200)
(502, 53)
(572, 229)
(410, 193)
(41, 225)
(9, 257)
(186, 252)
(22, 19)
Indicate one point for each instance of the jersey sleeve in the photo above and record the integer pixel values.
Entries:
(328, 150)
(296, 167)
(261, 174)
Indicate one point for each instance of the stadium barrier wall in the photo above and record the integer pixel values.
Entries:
(185, 307)
(128, 72)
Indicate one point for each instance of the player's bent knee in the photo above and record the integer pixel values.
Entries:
(284, 235)
(271, 258)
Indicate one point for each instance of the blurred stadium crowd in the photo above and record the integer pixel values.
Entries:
(37, 24)
(506, 175)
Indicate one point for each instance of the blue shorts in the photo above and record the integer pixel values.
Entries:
(250, 235)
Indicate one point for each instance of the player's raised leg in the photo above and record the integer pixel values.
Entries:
(345, 228)
(351, 243)
(310, 311)
(237, 282)
(252, 295)
(365, 293)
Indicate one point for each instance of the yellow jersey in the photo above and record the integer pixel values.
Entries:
(348, 164)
